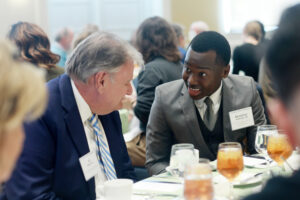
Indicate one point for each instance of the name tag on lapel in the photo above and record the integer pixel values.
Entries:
(241, 118)
(89, 165)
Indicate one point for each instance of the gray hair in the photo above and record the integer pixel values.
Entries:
(101, 51)
(62, 33)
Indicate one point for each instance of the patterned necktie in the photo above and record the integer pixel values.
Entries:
(103, 153)
(208, 115)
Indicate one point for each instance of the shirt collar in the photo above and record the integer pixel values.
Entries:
(84, 109)
(215, 97)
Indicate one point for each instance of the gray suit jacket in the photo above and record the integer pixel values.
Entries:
(173, 119)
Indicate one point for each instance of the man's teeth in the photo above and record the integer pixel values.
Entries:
(194, 89)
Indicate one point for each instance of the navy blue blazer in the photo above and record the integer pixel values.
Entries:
(49, 167)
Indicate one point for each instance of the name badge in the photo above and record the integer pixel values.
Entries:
(89, 165)
(241, 118)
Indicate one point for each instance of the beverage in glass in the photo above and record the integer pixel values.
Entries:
(279, 148)
(198, 181)
(230, 161)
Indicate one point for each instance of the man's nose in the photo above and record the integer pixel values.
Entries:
(192, 80)
(129, 90)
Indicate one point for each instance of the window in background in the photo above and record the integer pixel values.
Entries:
(234, 14)
(121, 17)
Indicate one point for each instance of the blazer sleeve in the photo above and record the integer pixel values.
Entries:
(159, 138)
(33, 174)
(147, 82)
(259, 118)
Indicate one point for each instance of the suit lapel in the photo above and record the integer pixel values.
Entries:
(73, 120)
(191, 120)
(228, 106)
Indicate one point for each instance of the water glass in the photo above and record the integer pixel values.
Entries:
(181, 155)
(262, 137)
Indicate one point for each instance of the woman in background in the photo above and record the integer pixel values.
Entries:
(247, 56)
(23, 98)
(34, 46)
(156, 40)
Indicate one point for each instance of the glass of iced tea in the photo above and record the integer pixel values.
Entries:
(279, 148)
(230, 162)
(198, 181)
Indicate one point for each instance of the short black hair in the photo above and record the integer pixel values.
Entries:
(211, 40)
(283, 54)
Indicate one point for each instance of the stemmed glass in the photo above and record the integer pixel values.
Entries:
(230, 162)
(198, 181)
(262, 138)
(279, 148)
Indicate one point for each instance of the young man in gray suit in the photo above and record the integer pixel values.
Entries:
(206, 107)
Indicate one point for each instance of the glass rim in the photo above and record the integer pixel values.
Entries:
(183, 145)
(202, 166)
(266, 126)
(282, 134)
(281, 131)
(233, 144)
(202, 160)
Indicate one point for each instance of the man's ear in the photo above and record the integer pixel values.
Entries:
(279, 116)
(99, 80)
(226, 71)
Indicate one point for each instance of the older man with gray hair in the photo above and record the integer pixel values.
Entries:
(78, 144)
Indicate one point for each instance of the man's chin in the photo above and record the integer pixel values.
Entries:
(196, 97)
(119, 107)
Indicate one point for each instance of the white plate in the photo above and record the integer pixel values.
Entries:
(243, 180)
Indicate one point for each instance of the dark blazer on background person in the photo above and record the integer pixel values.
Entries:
(49, 165)
(173, 119)
(155, 73)
(247, 58)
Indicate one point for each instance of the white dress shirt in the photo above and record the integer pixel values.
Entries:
(85, 113)
(216, 101)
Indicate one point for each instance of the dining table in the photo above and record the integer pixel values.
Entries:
(256, 172)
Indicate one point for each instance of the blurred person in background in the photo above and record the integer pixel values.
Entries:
(87, 31)
(63, 45)
(23, 98)
(34, 47)
(180, 39)
(78, 144)
(283, 60)
(265, 79)
(196, 28)
(156, 40)
(247, 56)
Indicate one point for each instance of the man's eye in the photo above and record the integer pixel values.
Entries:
(188, 70)
(203, 74)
